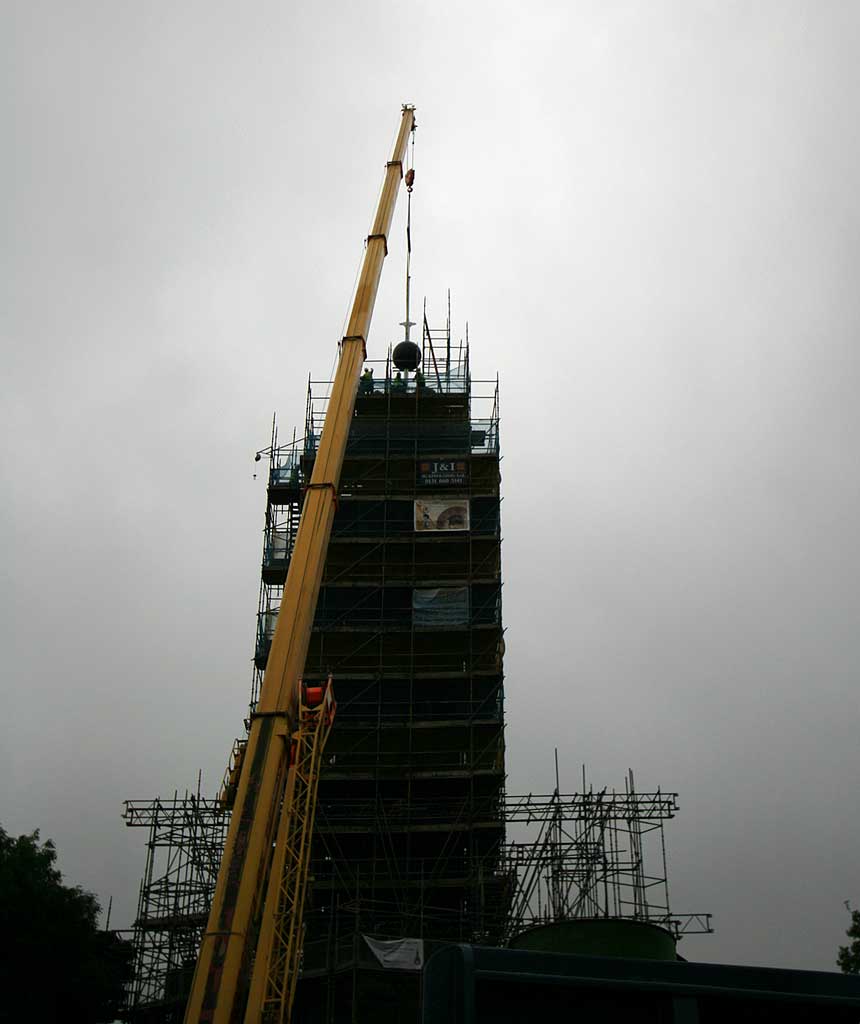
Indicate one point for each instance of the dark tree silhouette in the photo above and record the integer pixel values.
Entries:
(848, 960)
(56, 964)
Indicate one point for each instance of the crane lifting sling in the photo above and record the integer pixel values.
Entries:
(243, 929)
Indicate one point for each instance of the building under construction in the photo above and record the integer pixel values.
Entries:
(409, 828)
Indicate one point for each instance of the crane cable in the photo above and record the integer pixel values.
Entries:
(409, 179)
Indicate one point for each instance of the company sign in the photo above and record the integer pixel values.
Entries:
(443, 473)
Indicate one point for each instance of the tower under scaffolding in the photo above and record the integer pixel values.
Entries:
(410, 826)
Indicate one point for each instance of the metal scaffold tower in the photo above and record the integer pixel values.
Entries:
(183, 851)
(409, 621)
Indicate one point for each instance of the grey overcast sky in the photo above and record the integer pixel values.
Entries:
(647, 211)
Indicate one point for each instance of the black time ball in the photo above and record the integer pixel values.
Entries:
(407, 356)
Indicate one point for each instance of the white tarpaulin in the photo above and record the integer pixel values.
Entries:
(441, 514)
(401, 954)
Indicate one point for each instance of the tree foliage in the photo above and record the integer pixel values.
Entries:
(57, 965)
(848, 960)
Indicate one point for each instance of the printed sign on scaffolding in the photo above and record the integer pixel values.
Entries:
(435, 514)
(443, 473)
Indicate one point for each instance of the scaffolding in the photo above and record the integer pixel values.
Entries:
(410, 825)
(593, 854)
(183, 851)
(585, 855)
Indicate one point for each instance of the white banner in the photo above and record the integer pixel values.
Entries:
(441, 514)
(401, 954)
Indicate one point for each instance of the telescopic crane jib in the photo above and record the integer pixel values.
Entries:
(250, 950)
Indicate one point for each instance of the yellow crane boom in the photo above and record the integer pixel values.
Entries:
(230, 944)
